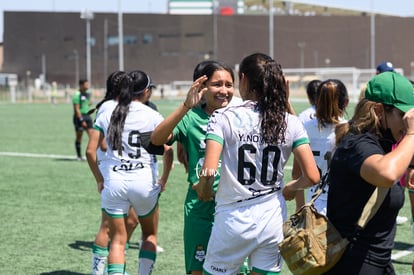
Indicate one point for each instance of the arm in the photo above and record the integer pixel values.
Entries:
(300, 194)
(95, 139)
(205, 186)
(163, 132)
(182, 156)
(385, 170)
(290, 109)
(309, 172)
(167, 161)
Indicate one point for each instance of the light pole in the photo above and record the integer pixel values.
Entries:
(215, 40)
(271, 29)
(120, 38)
(88, 16)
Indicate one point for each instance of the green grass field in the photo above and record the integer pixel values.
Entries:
(51, 208)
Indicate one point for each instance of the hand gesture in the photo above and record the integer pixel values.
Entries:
(196, 92)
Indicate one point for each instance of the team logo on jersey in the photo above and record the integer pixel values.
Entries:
(200, 253)
(199, 168)
(127, 165)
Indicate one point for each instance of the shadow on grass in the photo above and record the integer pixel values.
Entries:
(81, 245)
(69, 159)
(62, 272)
(85, 246)
(403, 246)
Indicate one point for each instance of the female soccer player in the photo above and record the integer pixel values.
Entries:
(127, 172)
(213, 86)
(254, 140)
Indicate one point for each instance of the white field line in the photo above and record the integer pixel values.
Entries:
(402, 253)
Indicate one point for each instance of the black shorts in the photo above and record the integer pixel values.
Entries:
(78, 123)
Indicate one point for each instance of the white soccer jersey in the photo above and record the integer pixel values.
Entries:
(307, 114)
(250, 167)
(322, 142)
(140, 121)
(107, 106)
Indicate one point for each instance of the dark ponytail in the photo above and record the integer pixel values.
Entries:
(116, 125)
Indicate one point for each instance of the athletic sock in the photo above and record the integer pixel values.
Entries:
(126, 248)
(146, 261)
(116, 269)
(99, 255)
(78, 149)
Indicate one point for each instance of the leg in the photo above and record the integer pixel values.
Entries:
(78, 142)
(118, 236)
(131, 222)
(100, 247)
(148, 250)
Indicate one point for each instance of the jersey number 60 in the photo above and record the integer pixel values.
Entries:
(251, 168)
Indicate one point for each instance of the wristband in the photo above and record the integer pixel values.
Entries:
(80, 119)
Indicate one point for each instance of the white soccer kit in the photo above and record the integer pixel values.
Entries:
(128, 178)
(249, 204)
(322, 142)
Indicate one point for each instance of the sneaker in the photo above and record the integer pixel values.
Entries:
(401, 219)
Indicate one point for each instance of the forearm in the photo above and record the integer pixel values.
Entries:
(164, 130)
(167, 161)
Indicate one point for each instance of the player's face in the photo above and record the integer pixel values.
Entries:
(219, 90)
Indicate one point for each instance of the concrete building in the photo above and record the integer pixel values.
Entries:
(169, 46)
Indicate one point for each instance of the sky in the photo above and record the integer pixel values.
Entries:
(126, 6)
(394, 7)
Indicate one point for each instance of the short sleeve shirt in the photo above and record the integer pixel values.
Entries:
(82, 99)
(140, 120)
(250, 166)
(348, 193)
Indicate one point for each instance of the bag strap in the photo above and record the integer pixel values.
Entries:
(372, 206)
(321, 186)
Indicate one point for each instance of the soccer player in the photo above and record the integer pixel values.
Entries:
(332, 100)
(81, 119)
(127, 173)
(212, 89)
(255, 140)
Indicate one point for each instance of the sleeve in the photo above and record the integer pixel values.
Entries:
(76, 98)
(364, 147)
(215, 127)
(296, 131)
(100, 123)
(180, 131)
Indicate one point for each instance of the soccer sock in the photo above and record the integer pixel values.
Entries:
(78, 149)
(116, 269)
(126, 248)
(99, 255)
(146, 261)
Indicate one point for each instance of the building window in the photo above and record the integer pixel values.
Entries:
(147, 38)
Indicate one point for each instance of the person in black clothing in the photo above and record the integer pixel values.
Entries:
(363, 160)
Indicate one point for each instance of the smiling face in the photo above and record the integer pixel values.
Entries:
(219, 92)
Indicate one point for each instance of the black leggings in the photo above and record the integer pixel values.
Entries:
(356, 261)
